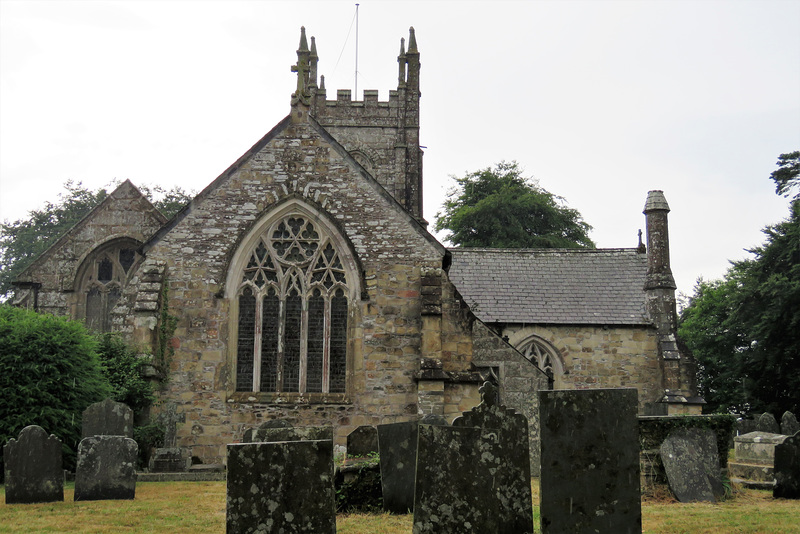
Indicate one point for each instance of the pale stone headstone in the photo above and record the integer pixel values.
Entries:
(250, 433)
(787, 468)
(32, 467)
(766, 422)
(789, 424)
(590, 461)
(475, 475)
(303, 433)
(106, 468)
(362, 441)
(397, 445)
(281, 487)
(169, 458)
(107, 418)
(691, 463)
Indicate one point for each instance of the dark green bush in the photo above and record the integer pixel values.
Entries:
(123, 368)
(49, 374)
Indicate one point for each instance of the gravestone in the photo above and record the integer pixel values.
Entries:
(281, 487)
(745, 425)
(590, 461)
(766, 422)
(32, 467)
(789, 424)
(787, 468)
(397, 446)
(362, 441)
(250, 433)
(304, 433)
(475, 475)
(170, 458)
(691, 463)
(106, 468)
(107, 418)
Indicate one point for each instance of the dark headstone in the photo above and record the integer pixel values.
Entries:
(362, 441)
(787, 468)
(106, 468)
(32, 466)
(169, 419)
(281, 487)
(170, 460)
(397, 444)
(475, 475)
(306, 433)
(107, 418)
(691, 463)
(250, 433)
(766, 422)
(745, 425)
(789, 424)
(590, 461)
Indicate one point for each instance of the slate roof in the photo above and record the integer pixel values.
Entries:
(552, 286)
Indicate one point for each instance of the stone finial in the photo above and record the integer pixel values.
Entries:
(659, 272)
(401, 61)
(303, 42)
(412, 41)
(303, 70)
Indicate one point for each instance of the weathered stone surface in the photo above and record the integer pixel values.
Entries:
(757, 447)
(362, 441)
(170, 460)
(787, 468)
(476, 473)
(397, 444)
(107, 418)
(745, 426)
(32, 466)
(281, 487)
(766, 422)
(306, 433)
(250, 433)
(590, 461)
(169, 418)
(691, 463)
(106, 468)
(789, 424)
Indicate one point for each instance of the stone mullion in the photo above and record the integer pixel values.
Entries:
(281, 333)
(303, 344)
(257, 342)
(326, 339)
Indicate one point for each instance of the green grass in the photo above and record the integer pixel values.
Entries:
(199, 507)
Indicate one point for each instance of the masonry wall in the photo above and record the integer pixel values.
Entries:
(602, 357)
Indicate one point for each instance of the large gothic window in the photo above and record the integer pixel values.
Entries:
(103, 275)
(292, 311)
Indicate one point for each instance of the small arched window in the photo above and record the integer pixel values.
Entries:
(544, 356)
(102, 276)
(292, 297)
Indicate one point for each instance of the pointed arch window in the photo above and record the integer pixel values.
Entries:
(103, 276)
(292, 311)
(544, 357)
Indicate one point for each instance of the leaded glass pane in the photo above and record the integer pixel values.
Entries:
(316, 342)
(111, 302)
(246, 341)
(94, 309)
(338, 342)
(269, 342)
(105, 270)
(126, 258)
(292, 336)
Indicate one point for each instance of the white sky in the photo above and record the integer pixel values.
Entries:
(600, 101)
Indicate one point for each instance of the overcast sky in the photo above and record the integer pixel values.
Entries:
(600, 101)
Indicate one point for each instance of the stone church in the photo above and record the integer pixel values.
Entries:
(303, 283)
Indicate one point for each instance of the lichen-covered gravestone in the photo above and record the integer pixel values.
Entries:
(362, 441)
(691, 463)
(32, 466)
(107, 418)
(787, 468)
(397, 446)
(170, 458)
(789, 424)
(590, 461)
(250, 434)
(106, 468)
(281, 487)
(766, 422)
(475, 475)
(303, 433)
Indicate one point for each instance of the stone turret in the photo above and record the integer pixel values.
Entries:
(678, 369)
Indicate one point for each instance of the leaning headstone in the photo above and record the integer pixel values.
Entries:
(590, 461)
(362, 441)
(32, 467)
(789, 424)
(281, 487)
(691, 463)
(106, 468)
(107, 418)
(766, 422)
(397, 446)
(473, 476)
(787, 468)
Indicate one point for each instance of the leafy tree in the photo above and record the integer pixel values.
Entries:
(787, 176)
(499, 208)
(22, 241)
(744, 330)
(49, 374)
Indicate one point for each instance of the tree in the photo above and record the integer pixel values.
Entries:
(745, 329)
(49, 374)
(787, 176)
(22, 241)
(499, 208)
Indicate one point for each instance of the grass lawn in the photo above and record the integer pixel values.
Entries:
(197, 507)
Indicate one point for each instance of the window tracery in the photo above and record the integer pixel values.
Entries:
(293, 309)
(543, 356)
(105, 273)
